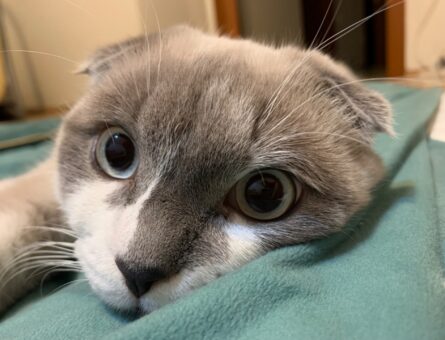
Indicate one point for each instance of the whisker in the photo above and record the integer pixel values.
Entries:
(57, 270)
(41, 53)
(70, 283)
(40, 249)
(144, 19)
(321, 24)
(323, 134)
(40, 265)
(62, 230)
(76, 5)
(280, 87)
(321, 93)
(353, 26)
(275, 97)
(160, 40)
(340, 2)
(17, 263)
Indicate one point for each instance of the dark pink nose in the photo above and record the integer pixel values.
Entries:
(139, 281)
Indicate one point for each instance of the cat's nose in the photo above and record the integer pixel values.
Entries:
(139, 281)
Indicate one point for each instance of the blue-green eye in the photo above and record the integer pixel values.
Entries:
(116, 153)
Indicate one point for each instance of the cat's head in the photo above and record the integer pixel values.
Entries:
(191, 155)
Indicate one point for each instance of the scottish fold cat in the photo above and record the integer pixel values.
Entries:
(188, 156)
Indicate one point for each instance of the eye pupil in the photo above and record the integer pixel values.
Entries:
(119, 151)
(264, 192)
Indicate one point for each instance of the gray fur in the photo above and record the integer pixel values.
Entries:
(204, 109)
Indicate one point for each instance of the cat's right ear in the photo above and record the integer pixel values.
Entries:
(101, 61)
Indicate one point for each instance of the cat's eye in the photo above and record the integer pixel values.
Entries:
(266, 195)
(116, 153)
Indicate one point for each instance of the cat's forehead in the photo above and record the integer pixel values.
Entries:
(188, 77)
(184, 57)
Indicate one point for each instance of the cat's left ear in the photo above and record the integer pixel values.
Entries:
(98, 64)
(369, 110)
(102, 60)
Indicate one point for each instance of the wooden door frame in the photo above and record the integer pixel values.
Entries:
(228, 17)
(395, 38)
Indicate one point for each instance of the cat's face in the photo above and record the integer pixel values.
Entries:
(190, 157)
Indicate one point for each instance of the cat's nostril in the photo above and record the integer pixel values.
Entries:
(139, 280)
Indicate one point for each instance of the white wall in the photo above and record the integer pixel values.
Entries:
(73, 29)
(424, 33)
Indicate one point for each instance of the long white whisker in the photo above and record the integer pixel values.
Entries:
(70, 283)
(37, 257)
(40, 249)
(321, 93)
(53, 270)
(275, 97)
(62, 230)
(39, 265)
(340, 2)
(49, 244)
(147, 43)
(41, 53)
(72, 3)
(353, 26)
(160, 40)
(276, 93)
(322, 134)
(31, 251)
(321, 24)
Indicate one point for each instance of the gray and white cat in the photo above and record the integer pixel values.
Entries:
(189, 156)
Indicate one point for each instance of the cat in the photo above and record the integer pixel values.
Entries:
(189, 156)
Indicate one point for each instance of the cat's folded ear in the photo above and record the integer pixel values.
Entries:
(102, 60)
(367, 109)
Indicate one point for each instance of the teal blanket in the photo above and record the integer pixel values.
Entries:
(383, 278)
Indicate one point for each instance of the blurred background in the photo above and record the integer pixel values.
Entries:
(42, 41)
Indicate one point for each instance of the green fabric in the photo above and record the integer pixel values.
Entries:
(14, 161)
(16, 130)
(383, 278)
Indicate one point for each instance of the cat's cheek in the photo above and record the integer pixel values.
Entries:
(243, 245)
(90, 212)
(87, 208)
